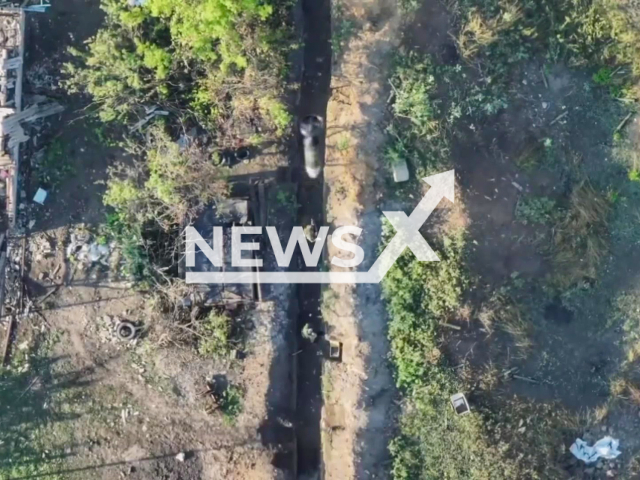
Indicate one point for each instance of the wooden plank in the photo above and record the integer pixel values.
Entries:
(20, 72)
(9, 64)
(262, 200)
(7, 340)
(15, 149)
(4, 54)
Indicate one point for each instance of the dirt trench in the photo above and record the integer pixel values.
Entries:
(314, 96)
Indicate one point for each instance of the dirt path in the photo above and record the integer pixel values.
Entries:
(358, 392)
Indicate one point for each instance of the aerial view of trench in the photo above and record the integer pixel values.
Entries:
(314, 96)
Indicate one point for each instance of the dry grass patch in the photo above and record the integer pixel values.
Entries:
(479, 32)
(501, 311)
(580, 239)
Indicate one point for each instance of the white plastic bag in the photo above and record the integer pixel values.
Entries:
(606, 448)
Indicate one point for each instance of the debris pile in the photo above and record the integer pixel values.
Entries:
(87, 251)
(13, 283)
(115, 329)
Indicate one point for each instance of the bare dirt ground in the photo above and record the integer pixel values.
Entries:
(358, 392)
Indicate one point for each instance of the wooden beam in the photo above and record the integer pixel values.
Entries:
(7, 340)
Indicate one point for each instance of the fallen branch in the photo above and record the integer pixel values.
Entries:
(453, 327)
(7, 340)
(622, 123)
(559, 117)
(526, 379)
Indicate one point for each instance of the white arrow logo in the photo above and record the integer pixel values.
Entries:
(408, 228)
(407, 235)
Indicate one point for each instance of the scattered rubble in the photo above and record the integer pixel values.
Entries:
(84, 250)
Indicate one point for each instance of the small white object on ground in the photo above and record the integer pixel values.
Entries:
(606, 448)
(180, 457)
(400, 171)
(40, 196)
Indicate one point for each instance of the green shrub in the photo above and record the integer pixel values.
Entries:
(531, 210)
(163, 52)
(215, 335)
(168, 185)
(276, 112)
(53, 165)
(231, 404)
(414, 86)
(415, 134)
(419, 295)
(129, 238)
(603, 76)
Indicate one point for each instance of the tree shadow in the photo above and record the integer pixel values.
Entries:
(30, 404)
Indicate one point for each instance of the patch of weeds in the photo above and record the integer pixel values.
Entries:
(536, 153)
(343, 144)
(603, 76)
(502, 311)
(580, 238)
(432, 441)
(104, 135)
(215, 335)
(287, 200)
(328, 302)
(419, 295)
(35, 403)
(415, 133)
(409, 7)
(128, 237)
(53, 164)
(532, 210)
(231, 403)
(479, 31)
(342, 29)
(496, 36)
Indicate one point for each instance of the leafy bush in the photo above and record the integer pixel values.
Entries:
(186, 57)
(415, 133)
(535, 210)
(52, 165)
(419, 295)
(169, 186)
(603, 76)
(215, 335)
(230, 404)
(154, 197)
(129, 238)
